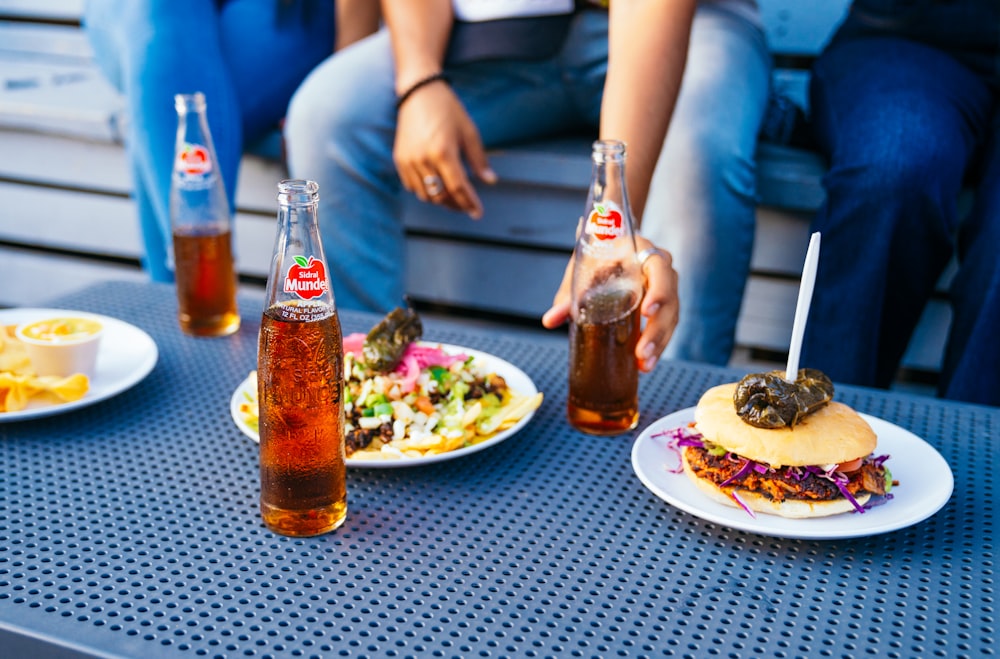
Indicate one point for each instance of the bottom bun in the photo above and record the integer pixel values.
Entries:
(792, 508)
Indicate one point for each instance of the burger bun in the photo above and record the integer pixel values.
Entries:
(831, 435)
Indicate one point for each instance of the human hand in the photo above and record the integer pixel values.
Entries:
(433, 134)
(659, 307)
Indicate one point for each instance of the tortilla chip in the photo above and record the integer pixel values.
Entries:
(67, 389)
(13, 356)
(19, 384)
(16, 390)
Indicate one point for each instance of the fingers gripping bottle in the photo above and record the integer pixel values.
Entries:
(607, 288)
(202, 228)
(300, 378)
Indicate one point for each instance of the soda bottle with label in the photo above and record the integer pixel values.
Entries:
(300, 378)
(202, 228)
(607, 287)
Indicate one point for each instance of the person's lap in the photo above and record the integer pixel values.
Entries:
(341, 127)
(136, 45)
(972, 361)
(339, 133)
(900, 123)
(517, 100)
(153, 50)
(269, 48)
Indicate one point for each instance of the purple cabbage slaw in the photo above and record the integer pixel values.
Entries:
(678, 438)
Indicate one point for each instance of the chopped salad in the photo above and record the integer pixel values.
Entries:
(433, 401)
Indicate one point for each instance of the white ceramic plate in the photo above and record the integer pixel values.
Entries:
(925, 485)
(126, 355)
(516, 379)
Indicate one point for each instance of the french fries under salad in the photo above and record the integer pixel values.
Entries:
(432, 401)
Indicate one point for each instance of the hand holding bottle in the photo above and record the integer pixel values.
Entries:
(659, 307)
(600, 242)
(606, 291)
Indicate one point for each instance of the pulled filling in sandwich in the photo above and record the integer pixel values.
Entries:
(733, 472)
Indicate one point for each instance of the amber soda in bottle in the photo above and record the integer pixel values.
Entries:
(202, 228)
(607, 287)
(300, 378)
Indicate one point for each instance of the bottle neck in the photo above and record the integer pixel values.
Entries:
(192, 120)
(298, 213)
(607, 227)
(299, 276)
(605, 266)
(197, 192)
(608, 174)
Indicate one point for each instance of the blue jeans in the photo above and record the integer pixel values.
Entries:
(703, 199)
(246, 56)
(341, 125)
(905, 126)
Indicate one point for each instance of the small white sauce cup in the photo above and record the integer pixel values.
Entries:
(63, 345)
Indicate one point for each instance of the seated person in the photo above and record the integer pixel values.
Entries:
(906, 106)
(246, 56)
(413, 108)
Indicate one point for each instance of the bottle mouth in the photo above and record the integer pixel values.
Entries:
(297, 191)
(603, 149)
(190, 102)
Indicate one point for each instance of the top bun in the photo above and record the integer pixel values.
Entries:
(835, 433)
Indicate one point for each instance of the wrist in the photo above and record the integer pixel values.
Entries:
(419, 84)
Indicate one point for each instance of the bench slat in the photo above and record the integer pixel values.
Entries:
(29, 276)
(56, 43)
(44, 10)
(57, 88)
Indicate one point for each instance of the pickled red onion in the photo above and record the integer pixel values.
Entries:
(416, 357)
(354, 343)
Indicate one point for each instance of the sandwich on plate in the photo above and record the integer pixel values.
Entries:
(772, 446)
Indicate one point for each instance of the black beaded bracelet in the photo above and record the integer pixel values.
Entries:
(418, 84)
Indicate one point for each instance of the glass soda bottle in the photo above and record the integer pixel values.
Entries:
(202, 228)
(300, 378)
(607, 287)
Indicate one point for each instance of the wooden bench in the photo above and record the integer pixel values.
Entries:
(67, 218)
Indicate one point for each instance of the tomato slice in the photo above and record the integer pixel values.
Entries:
(850, 465)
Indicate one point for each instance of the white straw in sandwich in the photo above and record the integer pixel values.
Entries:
(802, 307)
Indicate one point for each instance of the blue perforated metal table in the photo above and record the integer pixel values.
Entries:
(130, 529)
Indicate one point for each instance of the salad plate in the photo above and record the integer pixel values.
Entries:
(517, 380)
(925, 485)
(125, 357)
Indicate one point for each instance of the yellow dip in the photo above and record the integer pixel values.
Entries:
(61, 330)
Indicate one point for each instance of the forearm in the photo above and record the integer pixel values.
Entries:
(356, 19)
(648, 42)
(420, 30)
